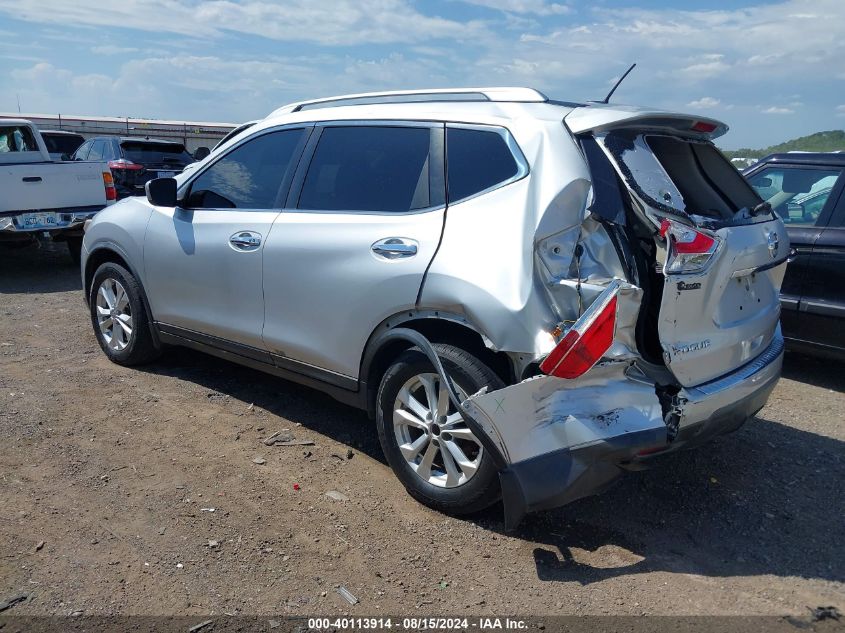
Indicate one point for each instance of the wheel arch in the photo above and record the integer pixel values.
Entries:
(111, 253)
(438, 327)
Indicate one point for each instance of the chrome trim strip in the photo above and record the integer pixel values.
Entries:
(769, 356)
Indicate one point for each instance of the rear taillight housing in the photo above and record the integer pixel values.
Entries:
(122, 163)
(586, 342)
(108, 183)
(688, 249)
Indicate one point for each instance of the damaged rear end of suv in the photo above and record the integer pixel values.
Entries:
(660, 268)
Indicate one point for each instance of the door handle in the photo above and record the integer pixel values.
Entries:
(395, 248)
(245, 241)
(31, 178)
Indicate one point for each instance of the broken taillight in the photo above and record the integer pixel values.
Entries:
(586, 342)
(688, 249)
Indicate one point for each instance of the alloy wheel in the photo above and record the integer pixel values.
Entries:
(432, 434)
(114, 314)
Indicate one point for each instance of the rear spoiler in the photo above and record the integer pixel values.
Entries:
(600, 118)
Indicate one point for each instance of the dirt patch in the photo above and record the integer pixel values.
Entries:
(154, 493)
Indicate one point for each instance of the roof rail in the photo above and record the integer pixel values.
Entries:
(419, 96)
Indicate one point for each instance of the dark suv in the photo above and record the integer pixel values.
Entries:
(135, 160)
(805, 190)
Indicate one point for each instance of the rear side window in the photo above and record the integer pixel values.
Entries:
(61, 143)
(797, 194)
(156, 153)
(369, 168)
(15, 138)
(476, 160)
(248, 177)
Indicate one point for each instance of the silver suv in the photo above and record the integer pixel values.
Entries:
(528, 296)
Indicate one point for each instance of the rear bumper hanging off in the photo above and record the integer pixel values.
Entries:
(564, 440)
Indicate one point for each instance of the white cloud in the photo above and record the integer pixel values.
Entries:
(538, 7)
(704, 103)
(777, 110)
(840, 110)
(109, 49)
(706, 66)
(337, 23)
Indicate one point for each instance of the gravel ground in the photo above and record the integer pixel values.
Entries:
(108, 478)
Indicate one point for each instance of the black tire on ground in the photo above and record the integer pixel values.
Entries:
(470, 374)
(140, 347)
(74, 248)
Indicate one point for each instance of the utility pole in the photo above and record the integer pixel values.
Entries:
(19, 102)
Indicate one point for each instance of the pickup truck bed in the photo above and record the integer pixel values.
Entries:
(39, 194)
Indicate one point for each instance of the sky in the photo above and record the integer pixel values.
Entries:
(771, 70)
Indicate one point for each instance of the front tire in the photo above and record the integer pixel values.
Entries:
(119, 316)
(425, 439)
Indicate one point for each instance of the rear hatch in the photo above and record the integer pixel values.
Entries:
(145, 159)
(718, 252)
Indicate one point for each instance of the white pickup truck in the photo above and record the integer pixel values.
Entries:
(40, 196)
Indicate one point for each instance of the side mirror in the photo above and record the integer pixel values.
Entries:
(201, 153)
(64, 157)
(161, 192)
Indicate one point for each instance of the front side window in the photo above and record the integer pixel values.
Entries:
(797, 194)
(98, 151)
(248, 177)
(369, 168)
(476, 160)
(82, 152)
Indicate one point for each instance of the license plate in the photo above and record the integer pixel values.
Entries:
(39, 220)
(166, 174)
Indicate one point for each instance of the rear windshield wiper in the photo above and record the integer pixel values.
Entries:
(763, 207)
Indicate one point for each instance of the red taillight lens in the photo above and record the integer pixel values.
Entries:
(122, 163)
(704, 126)
(584, 344)
(688, 249)
(108, 183)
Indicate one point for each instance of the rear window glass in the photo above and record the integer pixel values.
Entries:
(710, 185)
(61, 143)
(476, 160)
(152, 153)
(369, 168)
(798, 195)
(674, 174)
(15, 138)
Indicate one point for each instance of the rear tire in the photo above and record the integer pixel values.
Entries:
(119, 316)
(427, 444)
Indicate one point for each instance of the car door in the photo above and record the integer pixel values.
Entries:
(203, 258)
(361, 226)
(822, 306)
(800, 194)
